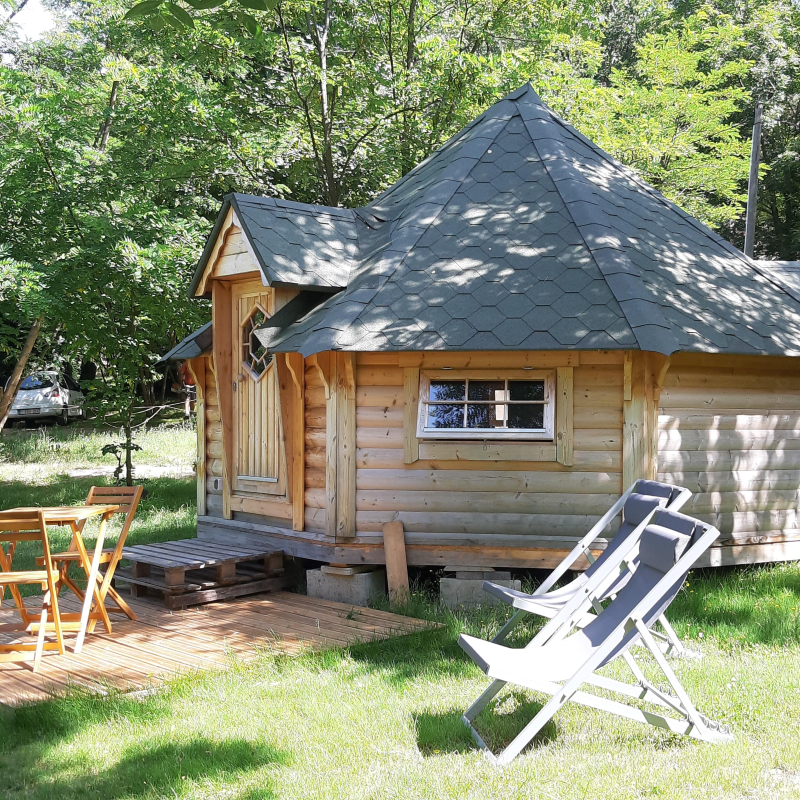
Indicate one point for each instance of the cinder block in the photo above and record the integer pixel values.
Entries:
(460, 593)
(355, 590)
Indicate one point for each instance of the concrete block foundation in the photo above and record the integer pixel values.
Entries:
(467, 592)
(355, 590)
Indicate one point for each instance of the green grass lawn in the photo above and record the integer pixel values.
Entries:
(382, 720)
(43, 467)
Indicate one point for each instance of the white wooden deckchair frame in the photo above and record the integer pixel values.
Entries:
(691, 724)
(668, 640)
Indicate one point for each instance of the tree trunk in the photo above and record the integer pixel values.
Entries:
(406, 147)
(16, 376)
(128, 442)
(101, 140)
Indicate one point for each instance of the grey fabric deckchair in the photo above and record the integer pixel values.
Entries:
(637, 504)
(570, 656)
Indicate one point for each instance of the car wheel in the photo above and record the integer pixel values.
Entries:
(63, 417)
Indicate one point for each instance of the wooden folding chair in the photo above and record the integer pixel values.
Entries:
(127, 498)
(19, 526)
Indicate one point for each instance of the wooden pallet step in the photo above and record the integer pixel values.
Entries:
(154, 583)
(191, 598)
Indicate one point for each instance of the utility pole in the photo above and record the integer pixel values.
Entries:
(752, 186)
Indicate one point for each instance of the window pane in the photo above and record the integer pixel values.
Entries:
(448, 390)
(445, 415)
(485, 416)
(36, 381)
(526, 390)
(487, 390)
(524, 416)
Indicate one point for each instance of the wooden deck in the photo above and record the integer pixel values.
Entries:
(139, 654)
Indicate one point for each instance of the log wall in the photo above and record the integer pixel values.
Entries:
(315, 439)
(729, 430)
(213, 445)
(485, 498)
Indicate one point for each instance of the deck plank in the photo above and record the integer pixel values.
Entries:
(163, 643)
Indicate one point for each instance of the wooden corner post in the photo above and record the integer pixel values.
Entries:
(340, 454)
(658, 366)
(564, 412)
(223, 355)
(331, 439)
(634, 421)
(410, 414)
(641, 397)
(197, 366)
(291, 383)
(346, 440)
(296, 365)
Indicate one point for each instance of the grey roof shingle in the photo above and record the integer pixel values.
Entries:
(295, 244)
(520, 233)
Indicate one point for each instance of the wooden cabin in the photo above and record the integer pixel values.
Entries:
(490, 352)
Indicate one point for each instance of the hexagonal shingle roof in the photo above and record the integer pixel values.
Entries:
(519, 233)
(295, 244)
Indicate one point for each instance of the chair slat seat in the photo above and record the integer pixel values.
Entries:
(26, 576)
(72, 556)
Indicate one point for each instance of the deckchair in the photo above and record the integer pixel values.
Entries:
(637, 504)
(561, 664)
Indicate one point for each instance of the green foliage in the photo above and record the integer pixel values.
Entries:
(120, 134)
(670, 115)
(121, 451)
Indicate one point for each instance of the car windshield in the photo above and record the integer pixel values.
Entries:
(36, 381)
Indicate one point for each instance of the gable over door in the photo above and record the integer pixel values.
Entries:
(257, 452)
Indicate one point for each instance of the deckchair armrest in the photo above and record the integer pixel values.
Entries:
(583, 545)
(596, 531)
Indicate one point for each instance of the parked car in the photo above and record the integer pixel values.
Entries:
(48, 395)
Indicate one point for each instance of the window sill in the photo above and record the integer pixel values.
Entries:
(488, 451)
(498, 436)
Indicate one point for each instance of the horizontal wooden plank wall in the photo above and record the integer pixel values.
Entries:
(315, 439)
(214, 453)
(486, 498)
(729, 430)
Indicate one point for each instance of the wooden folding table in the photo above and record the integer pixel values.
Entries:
(75, 517)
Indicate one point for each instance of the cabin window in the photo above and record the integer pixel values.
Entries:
(255, 357)
(476, 404)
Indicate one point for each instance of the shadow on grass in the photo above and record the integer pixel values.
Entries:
(164, 770)
(30, 760)
(402, 659)
(499, 723)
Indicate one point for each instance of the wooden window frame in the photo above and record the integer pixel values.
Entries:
(242, 344)
(548, 434)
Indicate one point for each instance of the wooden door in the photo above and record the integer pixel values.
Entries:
(257, 452)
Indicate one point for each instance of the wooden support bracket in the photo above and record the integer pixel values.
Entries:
(315, 362)
(296, 379)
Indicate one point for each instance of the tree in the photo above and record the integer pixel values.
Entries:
(22, 306)
(670, 114)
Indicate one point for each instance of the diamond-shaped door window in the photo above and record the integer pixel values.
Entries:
(255, 357)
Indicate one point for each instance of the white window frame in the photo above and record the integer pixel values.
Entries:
(487, 434)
